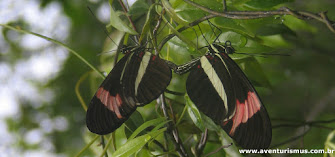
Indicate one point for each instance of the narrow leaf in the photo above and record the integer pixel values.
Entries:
(194, 113)
(172, 13)
(226, 140)
(132, 146)
(117, 23)
(145, 125)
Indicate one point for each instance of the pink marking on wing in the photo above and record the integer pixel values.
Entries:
(104, 97)
(100, 90)
(118, 100)
(245, 110)
(245, 115)
(111, 102)
(116, 107)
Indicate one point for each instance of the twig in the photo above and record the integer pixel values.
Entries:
(224, 5)
(328, 23)
(253, 15)
(310, 123)
(194, 23)
(129, 19)
(291, 139)
(154, 33)
(160, 145)
(317, 109)
(217, 150)
(173, 132)
(322, 17)
(202, 143)
(103, 144)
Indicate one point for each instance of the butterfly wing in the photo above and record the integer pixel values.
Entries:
(108, 108)
(208, 86)
(250, 126)
(147, 76)
(137, 79)
(219, 88)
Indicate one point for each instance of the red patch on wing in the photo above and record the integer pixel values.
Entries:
(245, 110)
(111, 102)
(141, 54)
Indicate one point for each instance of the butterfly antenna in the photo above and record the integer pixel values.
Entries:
(203, 35)
(217, 36)
(264, 55)
(103, 27)
(197, 45)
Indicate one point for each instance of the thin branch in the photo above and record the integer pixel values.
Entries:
(154, 33)
(174, 92)
(217, 150)
(202, 143)
(328, 22)
(167, 38)
(129, 19)
(224, 5)
(322, 17)
(160, 145)
(310, 123)
(172, 131)
(103, 144)
(291, 139)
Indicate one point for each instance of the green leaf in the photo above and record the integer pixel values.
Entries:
(266, 3)
(211, 4)
(254, 71)
(134, 122)
(226, 140)
(172, 13)
(194, 113)
(155, 133)
(117, 23)
(298, 25)
(273, 29)
(147, 24)
(233, 25)
(139, 8)
(188, 13)
(188, 127)
(179, 35)
(131, 146)
(329, 144)
(145, 125)
(236, 39)
(209, 123)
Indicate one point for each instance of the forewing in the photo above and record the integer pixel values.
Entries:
(147, 76)
(108, 109)
(209, 87)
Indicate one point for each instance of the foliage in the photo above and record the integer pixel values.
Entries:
(295, 88)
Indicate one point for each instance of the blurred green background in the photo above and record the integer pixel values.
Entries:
(40, 113)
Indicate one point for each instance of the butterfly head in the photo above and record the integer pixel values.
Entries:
(228, 48)
(128, 49)
(219, 48)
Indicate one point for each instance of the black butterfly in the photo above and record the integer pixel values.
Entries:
(136, 80)
(220, 89)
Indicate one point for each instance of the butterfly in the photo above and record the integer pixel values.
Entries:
(220, 89)
(136, 80)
